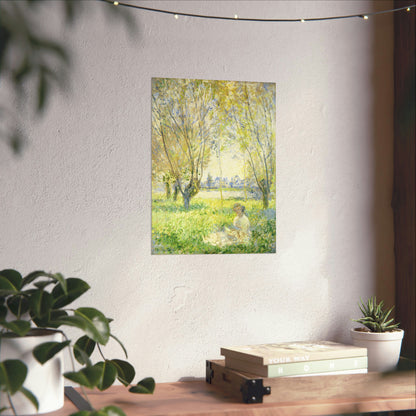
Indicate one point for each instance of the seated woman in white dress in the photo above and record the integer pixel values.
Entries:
(238, 233)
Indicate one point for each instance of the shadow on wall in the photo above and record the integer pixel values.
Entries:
(372, 265)
(383, 139)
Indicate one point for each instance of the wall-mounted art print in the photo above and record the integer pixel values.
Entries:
(213, 166)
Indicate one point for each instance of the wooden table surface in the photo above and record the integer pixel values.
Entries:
(202, 399)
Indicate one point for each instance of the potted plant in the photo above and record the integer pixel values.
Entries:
(380, 335)
(34, 310)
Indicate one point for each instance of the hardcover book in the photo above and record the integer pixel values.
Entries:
(292, 352)
(299, 368)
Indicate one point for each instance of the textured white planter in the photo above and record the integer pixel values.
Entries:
(383, 348)
(44, 381)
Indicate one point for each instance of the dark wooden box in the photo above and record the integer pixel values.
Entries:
(398, 386)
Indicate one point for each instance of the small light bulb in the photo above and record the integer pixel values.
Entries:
(365, 17)
(302, 20)
(408, 9)
(176, 16)
(115, 3)
(236, 16)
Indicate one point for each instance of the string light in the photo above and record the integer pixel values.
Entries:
(246, 19)
(176, 17)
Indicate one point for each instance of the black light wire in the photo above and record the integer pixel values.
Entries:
(247, 19)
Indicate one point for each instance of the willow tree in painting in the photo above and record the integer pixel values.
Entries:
(255, 133)
(183, 122)
(213, 144)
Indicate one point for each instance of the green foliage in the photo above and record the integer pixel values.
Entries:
(374, 317)
(125, 371)
(105, 411)
(145, 386)
(12, 375)
(35, 62)
(47, 350)
(179, 231)
(40, 301)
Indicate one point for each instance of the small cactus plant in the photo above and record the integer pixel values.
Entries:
(375, 318)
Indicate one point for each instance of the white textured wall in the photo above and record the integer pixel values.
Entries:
(78, 199)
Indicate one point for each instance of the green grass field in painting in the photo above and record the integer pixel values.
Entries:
(177, 231)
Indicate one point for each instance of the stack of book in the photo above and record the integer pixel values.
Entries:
(296, 359)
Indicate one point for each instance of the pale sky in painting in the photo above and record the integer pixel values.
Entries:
(231, 164)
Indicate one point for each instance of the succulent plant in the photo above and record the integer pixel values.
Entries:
(375, 318)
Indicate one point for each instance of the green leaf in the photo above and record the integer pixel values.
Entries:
(44, 283)
(83, 349)
(83, 413)
(108, 374)
(88, 376)
(18, 327)
(6, 287)
(12, 375)
(105, 411)
(83, 358)
(3, 312)
(15, 139)
(55, 316)
(13, 276)
(93, 324)
(75, 321)
(29, 395)
(125, 371)
(40, 304)
(61, 280)
(43, 89)
(75, 288)
(18, 305)
(52, 278)
(22, 71)
(45, 351)
(98, 328)
(31, 277)
(109, 411)
(145, 386)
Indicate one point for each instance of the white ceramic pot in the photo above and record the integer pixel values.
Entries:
(44, 381)
(383, 348)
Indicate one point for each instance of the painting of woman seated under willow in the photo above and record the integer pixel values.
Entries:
(213, 167)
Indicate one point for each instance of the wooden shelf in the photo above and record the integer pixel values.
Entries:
(198, 398)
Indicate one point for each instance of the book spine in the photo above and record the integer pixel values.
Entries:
(314, 356)
(290, 369)
(312, 367)
(291, 357)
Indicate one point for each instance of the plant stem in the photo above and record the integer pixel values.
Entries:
(73, 369)
(11, 404)
(101, 353)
